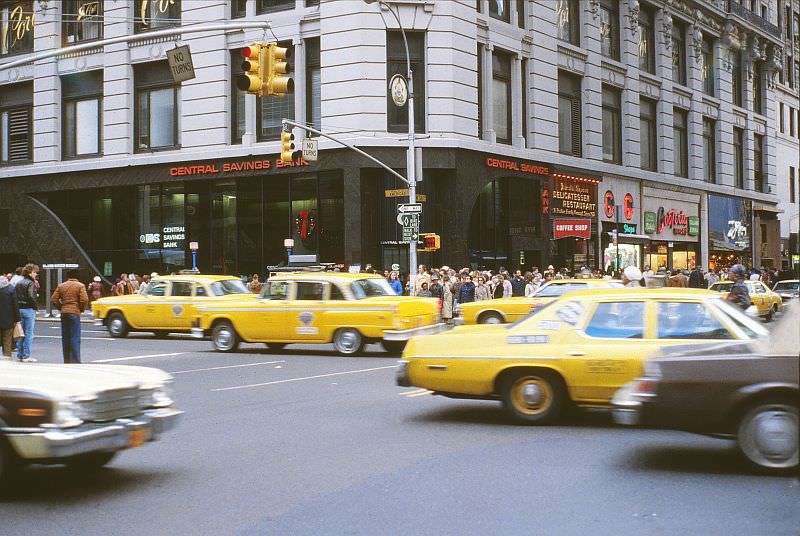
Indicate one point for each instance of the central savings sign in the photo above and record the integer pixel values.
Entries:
(572, 228)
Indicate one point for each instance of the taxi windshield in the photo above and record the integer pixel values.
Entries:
(370, 288)
(787, 286)
(228, 286)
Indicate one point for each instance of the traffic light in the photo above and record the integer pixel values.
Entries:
(287, 146)
(253, 80)
(430, 242)
(277, 65)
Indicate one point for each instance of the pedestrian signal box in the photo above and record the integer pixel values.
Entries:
(430, 242)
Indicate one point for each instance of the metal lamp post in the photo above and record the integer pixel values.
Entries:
(194, 246)
(411, 165)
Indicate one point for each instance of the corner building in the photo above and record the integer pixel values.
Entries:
(545, 128)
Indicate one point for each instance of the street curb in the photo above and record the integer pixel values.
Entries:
(57, 319)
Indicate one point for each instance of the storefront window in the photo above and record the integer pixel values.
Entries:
(156, 14)
(305, 222)
(173, 227)
(148, 219)
(621, 256)
(224, 243)
(16, 27)
(83, 20)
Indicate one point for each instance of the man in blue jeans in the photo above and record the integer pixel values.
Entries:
(28, 298)
(71, 298)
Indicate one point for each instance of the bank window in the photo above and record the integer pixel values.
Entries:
(568, 19)
(521, 13)
(609, 29)
(238, 106)
(309, 291)
(156, 107)
(680, 142)
(396, 64)
(736, 77)
(16, 21)
(275, 290)
(313, 83)
(679, 54)
(569, 114)
(647, 55)
(612, 125)
(707, 66)
(156, 14)
(617, 320)
(16, 123)
(758, 162)
(710, 149)
(273, 109)
(792, 186)
(647, 134)
(270, 6)
(500, 10)
(238, 9)
(679, 320)
(501, 95)
(791, 121)
(81, 112)
(82, 20)
(787, 72)
(181, 288)
(738, 157)
(781, 118)
(758, 95)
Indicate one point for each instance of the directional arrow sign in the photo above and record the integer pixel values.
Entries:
(409, 208)
(408, 220)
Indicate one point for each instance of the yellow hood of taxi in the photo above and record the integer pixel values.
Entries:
(459, 341)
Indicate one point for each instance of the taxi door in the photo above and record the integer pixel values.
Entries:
(273, 314)
(179, 308)
(607, 352)
(307, 316)
(148, 312)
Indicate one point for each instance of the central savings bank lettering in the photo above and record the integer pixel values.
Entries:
(232, 167)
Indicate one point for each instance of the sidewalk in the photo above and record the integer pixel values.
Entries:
(86, 318)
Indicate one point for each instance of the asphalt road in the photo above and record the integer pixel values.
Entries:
(306, 442)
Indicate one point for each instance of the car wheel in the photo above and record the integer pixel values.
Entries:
(93, 460)
(533, 396)
(394, 347)
(276, 345)
(768, 435)
(224, 337)
(491, 318)
(117, 325)
(348, 341)
(161, 334)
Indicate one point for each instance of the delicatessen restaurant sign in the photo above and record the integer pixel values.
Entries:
(572, 196)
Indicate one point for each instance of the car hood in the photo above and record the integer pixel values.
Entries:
(67, 381)
(470, 340)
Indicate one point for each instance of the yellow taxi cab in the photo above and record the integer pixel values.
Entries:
(765, 300)
(503, 310)
(348, 310)
(168, 304)
(579, 349)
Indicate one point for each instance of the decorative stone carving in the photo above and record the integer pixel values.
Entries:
(633, 16)
(666, 30)
(756, 49)
(730, 36)
(697, 44)
(594, 8)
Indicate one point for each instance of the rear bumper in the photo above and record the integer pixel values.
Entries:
(39, 444)
(401, 374)
(99, 322)
(197, 333)
(627, 410)
(405, 334)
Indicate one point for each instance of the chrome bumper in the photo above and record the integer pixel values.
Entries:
(40, 444)
(401, 374)
(405, 334)
(458, 321)
(627, 409)
(197, 333)
(99, 322)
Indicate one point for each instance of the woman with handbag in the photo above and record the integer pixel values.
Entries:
(9, 315)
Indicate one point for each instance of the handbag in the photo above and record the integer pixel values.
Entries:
(18, 331)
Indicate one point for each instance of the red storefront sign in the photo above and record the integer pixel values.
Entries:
(574, 228)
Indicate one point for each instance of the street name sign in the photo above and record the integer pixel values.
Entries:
(310, 147)
(180, 63)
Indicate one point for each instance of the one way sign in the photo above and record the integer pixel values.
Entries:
(409, 208)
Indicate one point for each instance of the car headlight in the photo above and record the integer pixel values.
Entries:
(159, 396)
(67, 414)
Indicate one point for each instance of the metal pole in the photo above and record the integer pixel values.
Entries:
(616, 235)
(47, 293)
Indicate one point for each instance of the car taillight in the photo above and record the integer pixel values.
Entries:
(645, 387)
(439, 305)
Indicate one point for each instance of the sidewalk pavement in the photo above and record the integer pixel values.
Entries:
(86, 318)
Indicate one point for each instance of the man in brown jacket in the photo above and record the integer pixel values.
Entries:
(71, 299)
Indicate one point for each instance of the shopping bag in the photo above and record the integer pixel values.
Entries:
(18, 331)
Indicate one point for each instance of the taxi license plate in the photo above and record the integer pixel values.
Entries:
(137, 438)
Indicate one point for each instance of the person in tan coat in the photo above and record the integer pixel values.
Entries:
(71, 299)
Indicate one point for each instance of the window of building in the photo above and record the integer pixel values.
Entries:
(710, 149)
(792, 186)
(16, 123)
(270, 6)
(500, 10)
(524, 103)
(238, 8)
(568, 17)
(396, 64)
(569, 114)
(787, 71)
(647, 56)
(521, 13)
(312, 3)
(272, 109)
(647, 134)
(480, 90)
(313, 83)
(736, 77)
(781, 125)
(707, 66)
(238, 98)
(680, 142)
(679, 54)
(791, 121)
(758, 96)
(612, 125)
(157, 109)
(16, 22)
(156, 14)
(758, 162)
(609, 28)
(501, 95)
(82, 20)
(738, 157)
(796, 74)
(81, 112)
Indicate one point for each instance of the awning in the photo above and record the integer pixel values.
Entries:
(628, 238)
(759, 207)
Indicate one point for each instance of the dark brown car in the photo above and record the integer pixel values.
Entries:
(746, 392)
